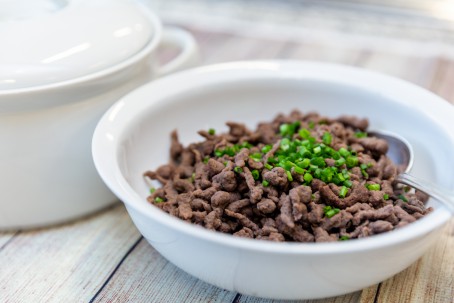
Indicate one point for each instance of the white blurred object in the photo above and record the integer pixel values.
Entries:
(61, 66)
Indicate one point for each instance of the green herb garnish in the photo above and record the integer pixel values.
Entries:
(289, 176)
(330, 211)
(327, 138)
(343, 191)
(373, 186)
(360, 134)
(403, 198)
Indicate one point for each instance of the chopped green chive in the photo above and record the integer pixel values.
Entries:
(373, 186)
(298, 170)
(327, 138)
(257, 157)
(403, 198)
(284, 128)
(268, 166)
(288, 129)
(285, 144)
(311, 124)
(360, 134)
(341, 177)
(330, 212)
(319, 162)
(289, 176)
(304, 164)
(344, 238)
(272, 160)
(317, 149)
(238, 170)
(343, 152)
(340, 162)
(230, 151)
(346, 174)
(266, 148)
(246, 144)
(205, 159)
(152, 190)
(307, 177)
(304, 133)
(218, 153)
(255, 174)
(159, 200)
(212, 131)
(348, 183)
(351, 161)
(385, 197)
(327, 175)
(343, 191)
(265, 183)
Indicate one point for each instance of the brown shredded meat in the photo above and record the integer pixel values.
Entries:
(234, 183)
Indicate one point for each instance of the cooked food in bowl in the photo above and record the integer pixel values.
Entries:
(300, 177)
(133, 136)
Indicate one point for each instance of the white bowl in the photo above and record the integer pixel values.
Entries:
(133, 136)
(52, 97)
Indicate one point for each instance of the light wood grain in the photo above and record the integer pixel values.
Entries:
(67, 263)
(5, 238)
(146, 276)
(350, 298)
(442, 82)
(430, 279)
(368, 294)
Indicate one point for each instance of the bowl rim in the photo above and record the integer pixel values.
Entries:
(112, 125)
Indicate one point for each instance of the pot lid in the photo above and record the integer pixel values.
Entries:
(45, 41)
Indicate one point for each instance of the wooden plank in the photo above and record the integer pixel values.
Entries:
(145, 276)
(349, 298)
(265, 49)
(368, 294)
(231, 48)
(419, 70)
(5, 238)
(430, 279)
(324, 52)
(443, 79)
(67, 263)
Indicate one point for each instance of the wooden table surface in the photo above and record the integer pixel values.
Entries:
(103, 258)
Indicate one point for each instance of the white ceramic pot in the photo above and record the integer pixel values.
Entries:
(62, 66)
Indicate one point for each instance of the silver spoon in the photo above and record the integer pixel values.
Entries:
(401, 153)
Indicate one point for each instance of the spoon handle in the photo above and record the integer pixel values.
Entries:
(443, 196)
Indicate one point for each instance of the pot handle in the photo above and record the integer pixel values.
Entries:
(182, 39)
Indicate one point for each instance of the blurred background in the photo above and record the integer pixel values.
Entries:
(410, 39)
